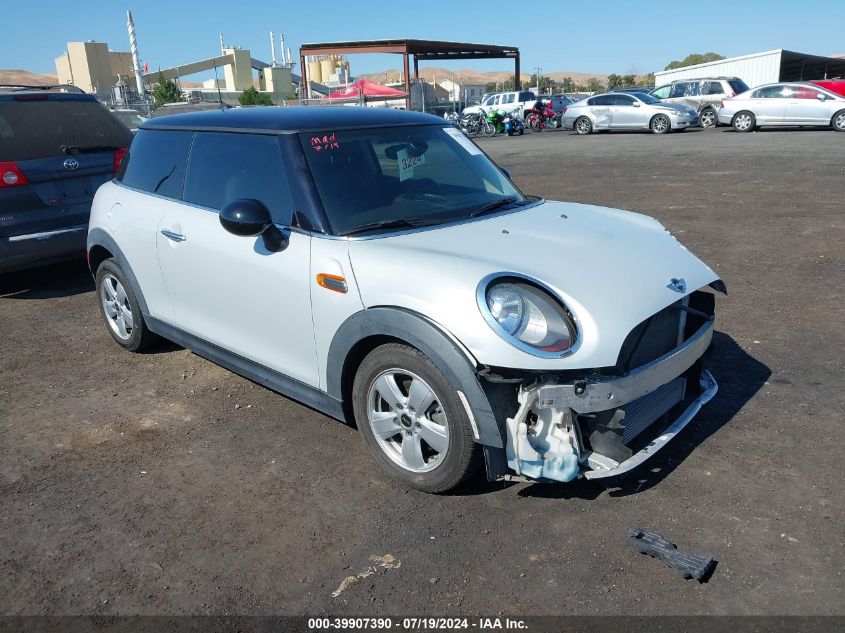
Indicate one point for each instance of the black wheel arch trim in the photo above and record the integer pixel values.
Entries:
(433, 341)
(98, 237)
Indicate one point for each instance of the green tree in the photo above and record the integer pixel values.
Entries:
(629, 80)
(251, 96)
(594, 84)
(567, 85)
(613, 81)
(695, 58)
(491, 86)
(165, 91)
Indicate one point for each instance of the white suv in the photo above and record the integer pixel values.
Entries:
(506, 101)
(376, 265)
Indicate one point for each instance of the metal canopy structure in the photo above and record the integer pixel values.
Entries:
(426, 50)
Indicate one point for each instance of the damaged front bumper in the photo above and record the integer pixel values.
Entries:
(583, 429)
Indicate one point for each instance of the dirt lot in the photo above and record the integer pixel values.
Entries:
(160, 483)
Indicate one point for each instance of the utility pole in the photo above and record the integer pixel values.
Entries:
(538, 69)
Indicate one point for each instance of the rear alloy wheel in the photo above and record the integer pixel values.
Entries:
(583, 125)
(120, 308)
(838, 121)
(744, 121)
(412, 420)
(660, 124)
(708, 118)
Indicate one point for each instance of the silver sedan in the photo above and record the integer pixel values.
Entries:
(627, 111)
(784, 104)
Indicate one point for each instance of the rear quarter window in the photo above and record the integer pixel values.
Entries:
(42, 128)
(156, 162)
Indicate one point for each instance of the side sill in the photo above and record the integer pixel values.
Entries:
(278, 382)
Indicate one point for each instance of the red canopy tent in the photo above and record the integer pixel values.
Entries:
(367, 89)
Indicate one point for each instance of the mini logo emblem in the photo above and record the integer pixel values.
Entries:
(678, 285)
(71, 164)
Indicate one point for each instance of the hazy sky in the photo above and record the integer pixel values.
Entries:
(593, 37)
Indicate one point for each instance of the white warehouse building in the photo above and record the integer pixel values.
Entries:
(761, 68)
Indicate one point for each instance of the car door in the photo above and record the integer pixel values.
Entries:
(600, 108)
(626, 112)
(152, 174)
(686, 93)
(231, 290)
(806, 106)
(712, 93)
(769, 104)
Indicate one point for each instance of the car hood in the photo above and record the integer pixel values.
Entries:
(612, 269)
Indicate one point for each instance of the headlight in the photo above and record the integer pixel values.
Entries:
(527, 316)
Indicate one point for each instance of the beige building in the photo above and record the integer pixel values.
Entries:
(92, 67)
(462, 92)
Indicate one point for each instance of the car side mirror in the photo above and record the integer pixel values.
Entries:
(245, 217)
(636, 104)
(507, 172)
(248, 217)
(821, 97)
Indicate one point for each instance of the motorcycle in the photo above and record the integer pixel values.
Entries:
(540, 118)
(493, 123)
(513, 125)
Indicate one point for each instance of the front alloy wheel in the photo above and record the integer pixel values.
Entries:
(412, 419)
(407, 420)
(660, 124)
(839, 121)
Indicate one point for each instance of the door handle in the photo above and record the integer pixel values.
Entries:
(172, 235)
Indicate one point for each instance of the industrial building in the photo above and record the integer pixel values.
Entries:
(92, 67)
(761, 68)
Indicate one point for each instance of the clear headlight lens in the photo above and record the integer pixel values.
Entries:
(529, 317)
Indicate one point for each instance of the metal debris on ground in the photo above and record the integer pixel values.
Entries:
(388, 561)
(695, 566)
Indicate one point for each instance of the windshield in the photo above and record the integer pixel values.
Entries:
(410, 175)
(647, 98)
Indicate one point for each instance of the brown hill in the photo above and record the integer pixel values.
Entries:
(470, 76)
(25, 77)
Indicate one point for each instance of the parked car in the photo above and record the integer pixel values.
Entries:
(463, 336)
(623, 111)
(834, 85)
(130, 118)
(784, 104)
(702, 94)
(504, 101)
(56, 149)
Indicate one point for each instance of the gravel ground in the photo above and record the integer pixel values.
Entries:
(160, 483)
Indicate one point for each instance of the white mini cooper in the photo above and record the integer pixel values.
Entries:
(378, 266)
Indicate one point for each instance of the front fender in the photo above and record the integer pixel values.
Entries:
(456, 363)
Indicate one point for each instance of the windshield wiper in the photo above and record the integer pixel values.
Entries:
(492, 206)
(412, 223)
(81, 149)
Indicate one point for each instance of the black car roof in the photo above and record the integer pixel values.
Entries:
(290, 119)
(40, 95)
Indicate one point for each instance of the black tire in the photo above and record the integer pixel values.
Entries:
(708, 118)
(837, 122)
(744, 121)
(585, 127)
(463, 456)
(140, 337)
(660, 124)
(488, 129)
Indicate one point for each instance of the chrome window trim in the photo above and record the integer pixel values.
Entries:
(481, 301)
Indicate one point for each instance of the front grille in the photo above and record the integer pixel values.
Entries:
(650, 340)
(643, 412)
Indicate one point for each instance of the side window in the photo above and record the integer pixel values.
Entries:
(156, 162)
(508, 98)
(662, 92)
(770, 92)
(497, 100)
(804, 92)
(489, 100)
(714, 88)
(526, 96)
(623, 100)
(224, 167)
(602, 100)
